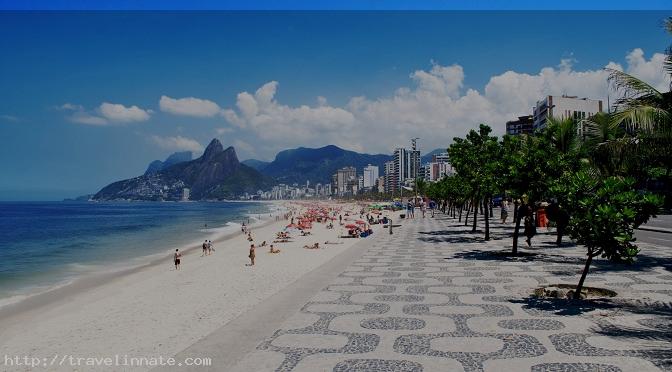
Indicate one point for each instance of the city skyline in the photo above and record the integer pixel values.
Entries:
(100, 107)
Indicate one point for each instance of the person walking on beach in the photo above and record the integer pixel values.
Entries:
(176, 259)
(210, 249)
(252, 255)
(205, 248)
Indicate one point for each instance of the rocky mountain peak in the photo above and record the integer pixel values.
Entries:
(215, 147)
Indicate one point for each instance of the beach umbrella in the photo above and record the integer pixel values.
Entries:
(351, 226)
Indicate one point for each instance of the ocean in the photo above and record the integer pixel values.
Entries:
(47, 244)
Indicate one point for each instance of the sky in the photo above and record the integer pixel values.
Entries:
(89, 98)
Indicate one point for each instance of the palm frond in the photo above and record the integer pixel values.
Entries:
(647, 119)
(630, 86)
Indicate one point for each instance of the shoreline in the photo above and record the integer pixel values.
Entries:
(101, 275)
(155, 310)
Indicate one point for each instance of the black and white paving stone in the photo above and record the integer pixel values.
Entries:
(435, 297)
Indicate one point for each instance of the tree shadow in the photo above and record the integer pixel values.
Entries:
(451, 239)
(558, 306)
(643, 263)
(446, 232)
(648, 333)
(495, 255)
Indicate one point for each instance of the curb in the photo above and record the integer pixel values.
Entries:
(655, 229)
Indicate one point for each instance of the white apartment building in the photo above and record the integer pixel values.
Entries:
(370, 176)
(564, 107)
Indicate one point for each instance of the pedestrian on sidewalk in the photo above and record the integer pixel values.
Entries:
(504, 210)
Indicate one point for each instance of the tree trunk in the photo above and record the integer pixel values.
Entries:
(459, 218)
(577, 292)
(466, 217)
(560, 231)
(486, 215)
(476, 205)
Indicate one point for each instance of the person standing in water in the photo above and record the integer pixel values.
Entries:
(252, 254)
(176, 259)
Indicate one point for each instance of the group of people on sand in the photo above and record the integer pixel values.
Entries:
(281, 237)
(207, 248)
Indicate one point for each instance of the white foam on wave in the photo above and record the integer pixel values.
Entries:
(77, 271)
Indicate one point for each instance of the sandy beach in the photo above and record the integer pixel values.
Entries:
(157, 311)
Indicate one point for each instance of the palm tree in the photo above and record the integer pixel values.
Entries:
(563, 134)
(645, 114)
(605, 144)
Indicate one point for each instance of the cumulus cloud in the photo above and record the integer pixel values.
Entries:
(177, 143)
(122, 114)
(105, 114)
(83, 117)
(436, 107)
(281, 124)
(69, 107)
(9, 118)
(649, 71)
(189, 106)
(224, 130)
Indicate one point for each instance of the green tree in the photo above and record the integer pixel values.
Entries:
(604, 214)
(475, 159)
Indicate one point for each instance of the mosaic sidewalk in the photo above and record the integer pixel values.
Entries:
(434, 297)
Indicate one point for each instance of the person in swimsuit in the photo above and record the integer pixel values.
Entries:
(176, 259)
(252, 255)
(205, 248)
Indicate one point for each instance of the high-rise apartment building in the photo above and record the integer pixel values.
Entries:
(563, 107)
(370, 176)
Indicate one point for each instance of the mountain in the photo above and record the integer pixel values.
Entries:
(175, 158)
(256, 164)
(317, 165)
(428, 156)
(217, 174)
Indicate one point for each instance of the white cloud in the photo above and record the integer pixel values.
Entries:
(436, 108)
(650, 71)
(105, 114)
(9, 118)
(122, 114)
(244, 149)
(284, 125)
(442, 80)
(69, 107)
(224, 130)
(83, 117)
(177, 143)
(189, 106)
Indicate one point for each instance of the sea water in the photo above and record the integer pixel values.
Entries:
(47, 244)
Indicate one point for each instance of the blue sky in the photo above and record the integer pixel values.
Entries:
(362, 80)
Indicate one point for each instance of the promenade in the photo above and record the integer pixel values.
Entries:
(434, 297)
